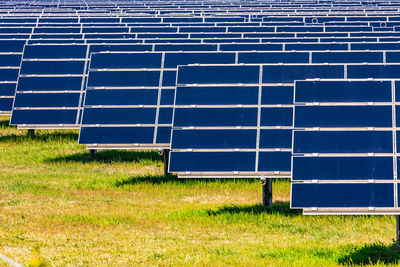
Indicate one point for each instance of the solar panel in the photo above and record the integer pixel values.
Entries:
(344, 146)
(246, 108)
(49, 71)
(130, 87)
(10, 59)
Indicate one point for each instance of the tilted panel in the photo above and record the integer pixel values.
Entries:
(238, 114)
(132, 95)
(344, 145)
(50, 86)
(10, 61)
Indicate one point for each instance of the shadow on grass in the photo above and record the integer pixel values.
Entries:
(110, 156)
(372, 254)
(38, 135)
(160, 179)
(277, 208)
(5, 123)
(153, 179)
(41, 137)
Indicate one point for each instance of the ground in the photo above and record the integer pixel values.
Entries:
(61, 207)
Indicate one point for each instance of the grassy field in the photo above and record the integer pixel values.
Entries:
(118, 209)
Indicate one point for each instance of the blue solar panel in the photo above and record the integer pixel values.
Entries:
(52, 67)
(277, 95)
(117, 135)
(270, 57)
(215, 139)
(172, 60)
(342, 142)
(55, 41)
(362, 195)
(218, 95)
(269, 161)
(46, 71)
(251, 47)
(201, 117)
(10, 46)
(343, 147)
(202, 29)
(119, 47)
(250, 29)
(47, 100)
(50, 83)
(155, 29)
(9, 74)
(316, 47)
(109, 86)
(300, 29)
(211, 161)
(122, 97)
(104, 29)
(347, 57)
(16, 30)
(121, 61)
(10, 60)
(186, 47)
(6, 103)
(373, 71)
(7, 89)
(56, 30)
(204, 110)
(54, 51)
(218, 74)
(119, 116)
(44, 117)
(343, 91)
(342, 168)
(376, 46)
(392, 57)
(290, 73)
(344, 116)
(124, 78)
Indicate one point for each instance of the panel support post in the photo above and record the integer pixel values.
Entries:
(31, 132)
(166, 162)
(398, 230)
(266, 192)
(93, 153)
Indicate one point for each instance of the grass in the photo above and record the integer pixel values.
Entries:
(61, 206)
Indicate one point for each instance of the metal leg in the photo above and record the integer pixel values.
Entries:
(93, 153)
(266, 192)
(398, 230)
(31, 132)
(166, 162)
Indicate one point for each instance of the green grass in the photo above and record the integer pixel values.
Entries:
(119, 210)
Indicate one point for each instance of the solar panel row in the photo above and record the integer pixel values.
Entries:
(221, 84)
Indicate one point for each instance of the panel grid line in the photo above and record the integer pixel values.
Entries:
(160, 84)
(260, 73)
(393, 86)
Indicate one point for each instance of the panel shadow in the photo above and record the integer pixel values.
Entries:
(109, 156)
(160, 179)
(277, 208)
(372, 254)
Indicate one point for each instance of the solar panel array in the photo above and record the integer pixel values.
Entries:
(300, 89)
